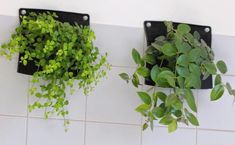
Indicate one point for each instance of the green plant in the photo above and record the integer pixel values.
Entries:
(186, 59)
(64, 55)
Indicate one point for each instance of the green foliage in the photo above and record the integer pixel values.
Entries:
(145, 97)
(221, 66)
(65, 57)
(125, 77)
(217, 92)
(186, 59)
(136, 56)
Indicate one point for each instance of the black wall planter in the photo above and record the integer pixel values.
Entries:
(72, 18)
(154, 29)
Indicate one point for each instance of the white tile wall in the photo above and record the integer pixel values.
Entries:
(112, 134)
(7, 28)
(162, 137)
(114, 100)
(224, 52)
(206, 137)
(219, 114)
(13, 88)
(51, 132)
(107, 116)
(13, 130)
(118, 42)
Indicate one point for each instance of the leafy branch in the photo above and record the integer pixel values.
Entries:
(179, 60)
(65, 56)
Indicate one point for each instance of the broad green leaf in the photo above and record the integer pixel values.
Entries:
(25, 62)
(162, 96)
(195, 69)
(172, 126)
(180, 81)
(193, 81)
(183, 28)
(135, 80)
(178, 113)
(150, 50)
(156, 45)
(143, 108)
(183, 60)
(168, 49)
(145, 97)
(171, 99)
(182, 71)
(217, 80)
(177, 105)
(179, 91)
(190, 99)
(196, 35)
(150, 58)
(154, 73)
(124, 76)
(192, 119)
(194, 54)
(210, 67)
(167, 75)
(204, 53)
(158, 112)
(143, 71)
(221, 66)
(217, 92)
(136, 56)
(182, 46)
(166, 120)
(190, 38)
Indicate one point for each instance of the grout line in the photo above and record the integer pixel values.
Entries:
(116, 123)
(196, 135)
(228, 75)
(197, 103)
(185, 128)
(179, 127)
(217, 130)
(58, 119)
(122, 66)
(27, 119)
(85, 121)
(141, 132)
(18, 116)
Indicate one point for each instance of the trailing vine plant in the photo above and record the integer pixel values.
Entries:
(186, 59)
(65, 57)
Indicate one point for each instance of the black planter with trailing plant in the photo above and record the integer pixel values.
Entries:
(57, 49)
(179, 57)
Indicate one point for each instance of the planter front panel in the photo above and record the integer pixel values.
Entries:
(72, 18)
(154, 29)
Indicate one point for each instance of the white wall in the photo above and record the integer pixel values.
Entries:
(107, 116)
(217, 13)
